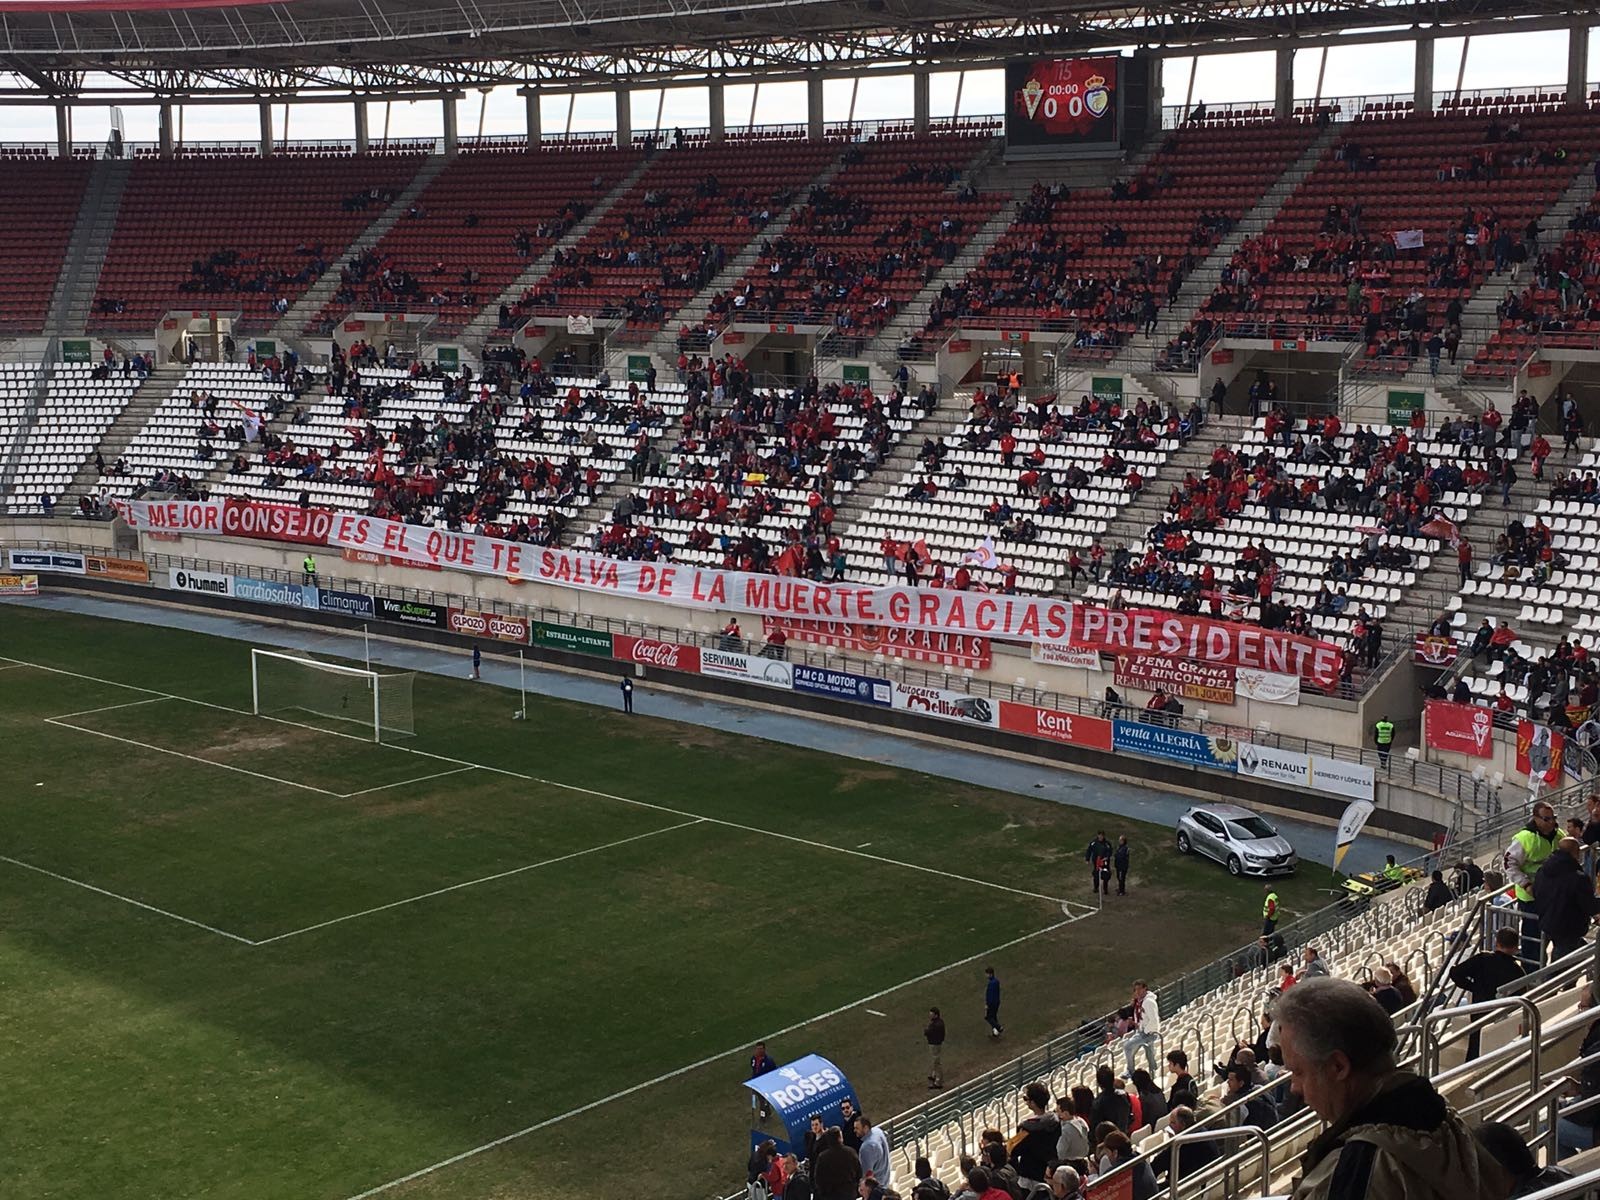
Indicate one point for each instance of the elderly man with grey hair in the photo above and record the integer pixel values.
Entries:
(1065, 1183)
(1390, 1135)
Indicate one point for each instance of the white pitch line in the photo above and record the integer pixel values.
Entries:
(232, 937)
(89, 712)
(456, 887)
(677, 812)
(875, 1013)
(406, 782)
(741, 1048)
(192, 758)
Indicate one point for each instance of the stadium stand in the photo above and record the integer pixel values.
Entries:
(671, 233)
(81, 402)
(235, 234)
(38, 206)
(1401, 221)
(478, 225)
(1088, 261)
(864, 243)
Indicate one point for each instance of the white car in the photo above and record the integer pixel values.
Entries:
(1244, 842)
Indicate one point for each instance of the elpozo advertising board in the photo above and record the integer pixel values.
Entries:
(1295, 769)
(947, 705)
(60, 562)
(1174, 745)
(843, 685)
(727, 664)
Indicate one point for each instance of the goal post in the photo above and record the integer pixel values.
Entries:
(283, 683)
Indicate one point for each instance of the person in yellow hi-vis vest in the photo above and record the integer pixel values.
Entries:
(1383, 734)
(1533, 843)
(1269, 912)
(310, 566)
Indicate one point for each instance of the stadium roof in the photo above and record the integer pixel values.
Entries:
(245, 48)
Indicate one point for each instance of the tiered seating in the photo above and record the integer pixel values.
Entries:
(865, 243)
(171, 441)
(1058, 260)
(1460, 178)
(77, 411)
(277, 215)
(17, 381)
(1393, 930)
(39, 204)
(461, 248)
(1556, 304)
(1305, 541)
(677, 229)
(958, 519)
(681, 471)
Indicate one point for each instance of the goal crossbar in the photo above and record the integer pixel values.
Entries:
(281, 682)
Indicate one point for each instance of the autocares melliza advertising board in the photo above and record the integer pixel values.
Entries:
(946, 705)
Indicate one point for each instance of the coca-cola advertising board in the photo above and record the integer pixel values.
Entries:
(472, 623)
(1462, 728)
(648, 652)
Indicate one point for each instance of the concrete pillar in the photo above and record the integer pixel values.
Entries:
(1422, 92)
(363, 137)
(624, 117)
(448, 101)
(919, 100)
(266, 128)
(164, 127)
(534, 115)
(814, 108)
(1577, 65)
(63, 131)
(718, 108)
(1283, 84)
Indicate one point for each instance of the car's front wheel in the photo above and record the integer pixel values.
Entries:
(1235, 867)
(1183, 843)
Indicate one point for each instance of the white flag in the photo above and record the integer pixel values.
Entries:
(252, 426)
(1350, 827)
(1407, 239)
(982, 555)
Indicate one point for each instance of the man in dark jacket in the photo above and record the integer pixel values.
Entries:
(1037, 1136)
(1120, 860)
(1439, 893)
(1191, 1155)
(1483, 975)
(1564, 898)
(1184, 1092)
(1098, 856)
(1111, 1102)
(934, 1032)
(837, 1175)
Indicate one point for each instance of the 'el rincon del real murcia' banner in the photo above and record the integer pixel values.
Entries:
(1018, 618)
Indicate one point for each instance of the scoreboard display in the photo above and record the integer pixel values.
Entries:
(1063, 102)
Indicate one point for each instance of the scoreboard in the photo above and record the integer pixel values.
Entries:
(1063, 102)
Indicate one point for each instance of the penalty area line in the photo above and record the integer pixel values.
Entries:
(232, 937)
(744, 1045)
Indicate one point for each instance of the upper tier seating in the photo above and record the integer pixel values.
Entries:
(1059, 260)
(1329, 265)
(77, 411)
(256, 228)
(39, 204)
(17, 381)
(477, 225)
(865, 242)
(669, 235)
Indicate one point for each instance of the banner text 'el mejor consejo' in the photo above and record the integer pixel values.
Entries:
(1017, 618)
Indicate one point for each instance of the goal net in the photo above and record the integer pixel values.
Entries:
(376, 703)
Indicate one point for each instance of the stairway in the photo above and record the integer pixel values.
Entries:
(1202, 281)
(1131, 526)
(478, 330)
(1480, 321)
(890, 474)
(150, 395)
(292, 325)
(73, 297)
(664, 344)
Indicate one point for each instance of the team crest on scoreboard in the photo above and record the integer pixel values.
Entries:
(1096, 97)
(1032, 94)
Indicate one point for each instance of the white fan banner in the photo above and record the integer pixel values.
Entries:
(1268, 687)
